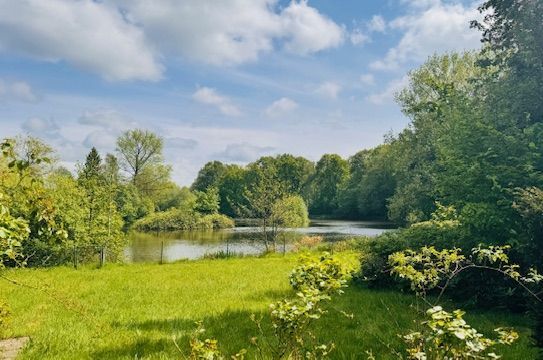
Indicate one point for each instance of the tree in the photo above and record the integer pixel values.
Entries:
(103, 224)
(231, 191)
(262, 192)
(294, 172)
(207, 202)
(138, 150)
(209, 176)
(330, 178)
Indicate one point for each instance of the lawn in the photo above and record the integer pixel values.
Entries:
(135, 311)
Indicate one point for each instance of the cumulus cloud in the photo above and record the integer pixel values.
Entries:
(126, 39)
(280, 107)
(377, 24)
(243, 152)
(434, 28)
(210, 96)
(100, 139)
(329, 89)
(357, 37)
(87, 34)
(17, 90)
(38, 125)
(367, 79)
(308, 30)
(108, 119)
(387, 95)
(179, 143)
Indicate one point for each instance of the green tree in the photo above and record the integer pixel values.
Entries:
(138, 150)
(209, 176)
(207, 202)
(330, 178)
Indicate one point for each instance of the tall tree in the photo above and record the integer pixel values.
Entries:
(138, 149)
(209, 176)
(331, 176)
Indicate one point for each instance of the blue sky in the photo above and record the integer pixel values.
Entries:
(219, 79)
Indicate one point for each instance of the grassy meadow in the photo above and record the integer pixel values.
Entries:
(136, 311)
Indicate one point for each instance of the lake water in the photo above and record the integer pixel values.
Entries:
(195, 244)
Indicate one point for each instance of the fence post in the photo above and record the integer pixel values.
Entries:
(102, 256)
(75, 256)
(162, 252)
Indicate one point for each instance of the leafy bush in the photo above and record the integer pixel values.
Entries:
(218, 221)
(178, 220)
(448, 336)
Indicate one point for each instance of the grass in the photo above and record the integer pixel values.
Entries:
(135, 311)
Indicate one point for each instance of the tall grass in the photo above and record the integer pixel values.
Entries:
(135, 311)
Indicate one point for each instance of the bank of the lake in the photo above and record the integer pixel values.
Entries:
(135, 311)
(242, 239)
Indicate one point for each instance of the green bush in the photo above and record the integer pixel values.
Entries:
(375, 251)
(218, 221)
(180, 220)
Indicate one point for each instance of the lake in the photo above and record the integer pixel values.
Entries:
(147, 247)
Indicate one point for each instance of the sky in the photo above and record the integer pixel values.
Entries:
(228, 80)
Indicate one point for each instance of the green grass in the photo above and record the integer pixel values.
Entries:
(133, 311)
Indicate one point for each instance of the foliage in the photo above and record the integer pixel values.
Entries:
(209, 176)
(177, 220)
(330, 178)
(207, 202)
(13, 232)
(290, 212)
(429, 268)
(208, 349)
(448, 336)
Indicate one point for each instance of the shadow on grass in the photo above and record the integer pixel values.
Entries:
(379, 317)
(157, 338)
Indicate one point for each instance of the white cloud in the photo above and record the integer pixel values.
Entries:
(329, 89)
(280, 107)
(178, 143)
(17, 90)
(243, 152)
(377, 24)
(127, 39)
(209, 96)
(87, 34)
(387, 95)
(435, 28)
(231, 32)
(100, 139)
(357, 37)
(308, 30)
(38, 125)
(108, 119)
(367, 79)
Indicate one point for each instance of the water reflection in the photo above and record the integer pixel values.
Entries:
(195, 244)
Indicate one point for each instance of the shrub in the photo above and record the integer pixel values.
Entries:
(442, 231)
(448, 336)
(180, 220)
(218, 221)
